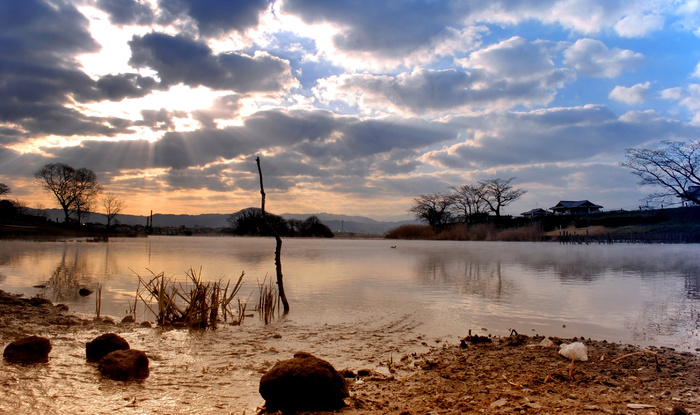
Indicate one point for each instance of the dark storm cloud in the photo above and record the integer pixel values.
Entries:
(179, 59)
(44, 33)
(9, 135)
(118, 87)
(161, 120)
(222, 108)
(316, 144)
(216, 17)
(386, 27)
(40, 78)
(126, 12)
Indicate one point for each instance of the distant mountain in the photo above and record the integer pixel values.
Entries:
(337, 223)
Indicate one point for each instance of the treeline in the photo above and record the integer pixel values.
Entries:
(470, 203)
(249, 222)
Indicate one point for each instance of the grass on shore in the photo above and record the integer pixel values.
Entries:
(463, 232)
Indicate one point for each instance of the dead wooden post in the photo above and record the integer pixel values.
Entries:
(278, 249)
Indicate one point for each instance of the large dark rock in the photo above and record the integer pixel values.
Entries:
(304, 383)
(103, 345)
(32, 349)
(124, 365)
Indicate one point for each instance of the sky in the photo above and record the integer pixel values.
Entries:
(354, 107)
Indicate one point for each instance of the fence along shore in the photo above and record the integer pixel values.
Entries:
(566, 237)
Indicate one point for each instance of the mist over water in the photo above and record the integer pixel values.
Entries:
(356, 303)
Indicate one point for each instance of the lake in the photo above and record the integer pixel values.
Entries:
(356, 303)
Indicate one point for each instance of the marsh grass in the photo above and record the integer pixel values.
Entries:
(465, 232)
(268, 300)
(194, 304)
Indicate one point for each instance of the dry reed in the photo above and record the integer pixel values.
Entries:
(268, 300)
(195, 304)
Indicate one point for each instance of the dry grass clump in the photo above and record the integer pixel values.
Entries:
(194, 304)
(411, 232)
(531, 233)
(268, 300)
(466, 232)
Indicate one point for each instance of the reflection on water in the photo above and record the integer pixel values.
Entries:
(355, 303)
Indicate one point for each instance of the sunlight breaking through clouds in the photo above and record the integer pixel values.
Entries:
(356, 108)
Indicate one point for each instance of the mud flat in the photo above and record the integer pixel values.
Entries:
(514, 374)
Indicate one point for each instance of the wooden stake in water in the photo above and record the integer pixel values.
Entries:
(278, 249)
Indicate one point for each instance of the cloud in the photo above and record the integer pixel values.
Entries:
(41, 80)
(639, 25)
(179, 59)
(590, 57)
(510, 73)
(127, 12)
(214, 17)
(118, 87)
(552, 135)
(381, 29)
(672, 93)
(696, 72)
(635, 94)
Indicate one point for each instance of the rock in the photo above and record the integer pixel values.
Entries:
(499, 403)
(124, 365)
(103, 345)
(146, 324)
(84, 292)
(32, 349)
(304, 383)
(128, 319)
(546, 342)
(62, 307)
(38, 301)
(574, 351)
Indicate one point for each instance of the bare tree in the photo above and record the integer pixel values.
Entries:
(469, 201)
(433, 208)
(4, 189)
(499, 193)
(74, 189)
(113, 206)
(674, 167)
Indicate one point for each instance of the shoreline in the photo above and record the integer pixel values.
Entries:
(512, 374)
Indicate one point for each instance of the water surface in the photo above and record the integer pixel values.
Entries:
(356, 303)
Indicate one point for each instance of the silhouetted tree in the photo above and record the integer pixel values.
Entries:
(433, 208)
(499, 193)
(250, 222)
(294, 226)
(469, 202)
(74, 189)
(8, 210)
(674, 167)
(312, 227)
(113, 206)
(4, 189)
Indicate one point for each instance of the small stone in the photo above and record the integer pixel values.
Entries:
(639, 406)
(499, 403)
